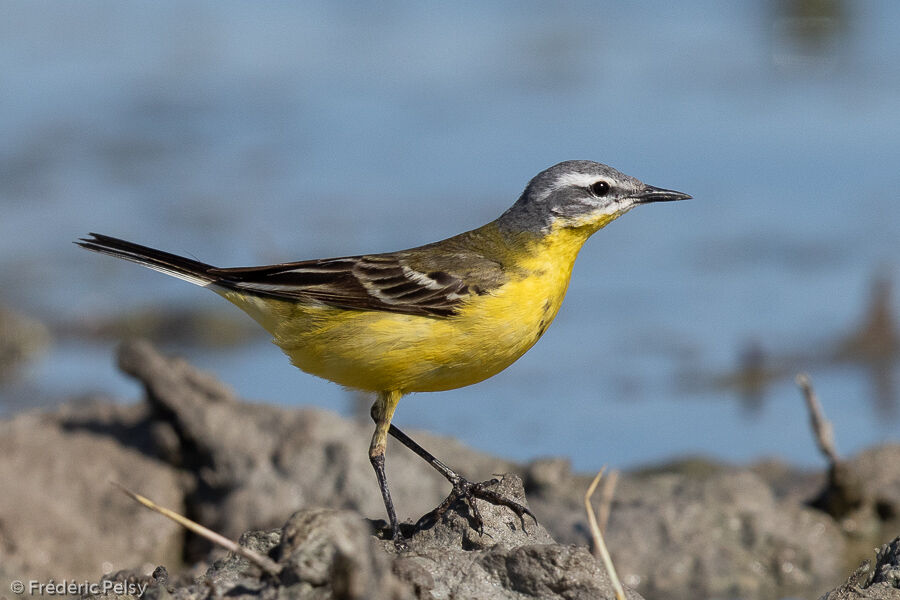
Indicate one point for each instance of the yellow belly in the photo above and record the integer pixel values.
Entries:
(381, 351)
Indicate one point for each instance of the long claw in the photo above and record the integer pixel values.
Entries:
(479, 491)
(467, 491)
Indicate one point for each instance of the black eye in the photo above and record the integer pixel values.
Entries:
(599, 188)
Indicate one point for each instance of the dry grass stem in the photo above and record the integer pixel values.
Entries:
(821, 427)
(606, 497)
(599, 544)
(263, 562)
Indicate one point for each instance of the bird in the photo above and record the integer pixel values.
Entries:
(435, 317)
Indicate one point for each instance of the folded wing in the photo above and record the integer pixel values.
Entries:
(375, 282)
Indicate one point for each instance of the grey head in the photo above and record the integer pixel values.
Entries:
(579, 193)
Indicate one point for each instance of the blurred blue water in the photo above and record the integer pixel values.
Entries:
(242, 134)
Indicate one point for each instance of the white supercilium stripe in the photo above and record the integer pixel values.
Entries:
(576, 179)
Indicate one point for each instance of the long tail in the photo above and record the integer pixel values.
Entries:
(188, 269)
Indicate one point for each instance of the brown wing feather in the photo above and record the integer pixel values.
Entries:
(432, 280)
(375, 282)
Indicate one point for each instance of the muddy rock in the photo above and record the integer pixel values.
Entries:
(695, 529)
(719, 535)
(327, 554)
(683, 530)
(879, 470)
(60, 517)
(512, 558)
(878, 580)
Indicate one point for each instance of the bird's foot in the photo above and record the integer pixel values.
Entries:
(382, 530)
(400, 542)
(467, 491)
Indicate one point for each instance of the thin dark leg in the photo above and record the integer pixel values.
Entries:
(378, 464)
(462, 488)
(382, 411)
(407, 441)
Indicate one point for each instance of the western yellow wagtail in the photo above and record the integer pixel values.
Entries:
(437, 317)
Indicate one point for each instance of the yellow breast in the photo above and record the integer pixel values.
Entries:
(380, 351)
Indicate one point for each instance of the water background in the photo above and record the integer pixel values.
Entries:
(243, 134)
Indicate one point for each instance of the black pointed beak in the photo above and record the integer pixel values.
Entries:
(655, 194)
